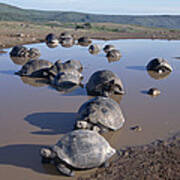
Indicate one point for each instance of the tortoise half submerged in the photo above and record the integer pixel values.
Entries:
(84, 41)
(51, 40)
(23, 52)
(67, 79)
(108, 47)
(69, 65)
(80, 149)
(100, 114)
(114, 55)
(35, 68)
(94, 48)
(159, 65)
(104, 83)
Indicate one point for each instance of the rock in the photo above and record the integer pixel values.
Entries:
(20, 35)
(136, 128)
(154, 92)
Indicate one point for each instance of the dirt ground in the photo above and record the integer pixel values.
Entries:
(159, 160)
(16, 33)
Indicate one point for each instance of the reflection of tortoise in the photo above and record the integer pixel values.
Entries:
(159, 65)
(35, 82)
(158, 76)
(100, 114)
(80, 149)
(104, 83)
(19, 60)
(35, 68)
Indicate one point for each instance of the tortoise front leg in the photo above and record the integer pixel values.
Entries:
(46, 160)
(62, 168)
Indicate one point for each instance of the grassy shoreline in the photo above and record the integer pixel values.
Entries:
(18, 33)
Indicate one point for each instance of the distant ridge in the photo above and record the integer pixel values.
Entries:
(13, 13)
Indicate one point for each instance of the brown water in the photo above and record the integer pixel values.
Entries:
(33, 114)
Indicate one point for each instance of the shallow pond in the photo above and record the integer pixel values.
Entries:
(33, 114)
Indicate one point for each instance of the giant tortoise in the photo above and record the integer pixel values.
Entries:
(80, 149)
(100, 114)
(104, 83)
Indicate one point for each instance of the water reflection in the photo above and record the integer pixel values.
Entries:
(93, 53)
(66, 45)
(84, 44)
(52, 123)
(73, 90)
(158, 76)
(35, 82)
(117, 98)
(19, 60)
(111, 59)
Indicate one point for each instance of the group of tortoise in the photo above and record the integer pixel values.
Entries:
(84, 147)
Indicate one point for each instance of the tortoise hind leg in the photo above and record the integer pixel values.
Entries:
(62, 168)
(105, 164)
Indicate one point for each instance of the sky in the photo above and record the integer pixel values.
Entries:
(132, 7)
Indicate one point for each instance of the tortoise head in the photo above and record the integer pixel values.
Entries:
(111, 87)
(47, 153)
(81, 125)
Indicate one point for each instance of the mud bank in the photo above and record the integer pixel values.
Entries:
(158, 160)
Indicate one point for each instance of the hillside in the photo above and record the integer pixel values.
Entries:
(12, 13)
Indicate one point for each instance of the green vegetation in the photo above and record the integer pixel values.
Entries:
(11, 13)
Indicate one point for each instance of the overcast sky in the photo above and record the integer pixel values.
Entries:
(103, 6)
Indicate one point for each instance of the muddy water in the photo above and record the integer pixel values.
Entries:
(33, 115)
